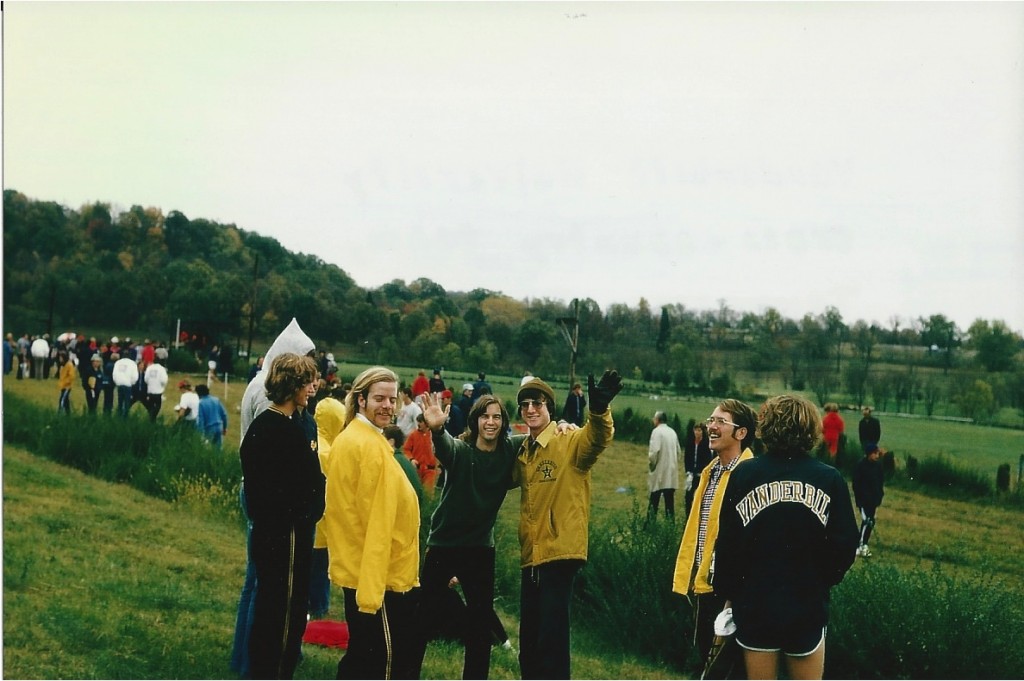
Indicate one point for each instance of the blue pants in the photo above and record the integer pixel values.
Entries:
(124, 400)
(243, 621)
(319, 585)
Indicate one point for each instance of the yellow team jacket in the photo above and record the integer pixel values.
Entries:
(330, 421)
(554, 485)
(372, 520)
(688, 546)
(68, 374)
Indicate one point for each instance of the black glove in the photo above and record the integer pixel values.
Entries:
(604, 392)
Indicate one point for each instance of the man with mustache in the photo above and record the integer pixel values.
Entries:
(731, 428)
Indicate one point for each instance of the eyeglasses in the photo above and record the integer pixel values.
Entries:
(718, 420)
(537, 404)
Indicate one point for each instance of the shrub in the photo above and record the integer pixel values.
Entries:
(184, 361)
(163, 461)
(943, 473)
(624, 594)
(891, 623)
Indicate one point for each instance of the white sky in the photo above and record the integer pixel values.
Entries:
(866, 156)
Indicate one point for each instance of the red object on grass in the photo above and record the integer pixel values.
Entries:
(326, 633)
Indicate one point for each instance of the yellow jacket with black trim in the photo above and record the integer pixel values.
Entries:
(688, 546)
(554, 483)
(372, 520)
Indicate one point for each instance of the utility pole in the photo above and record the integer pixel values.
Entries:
(252, 307)
(570, 327)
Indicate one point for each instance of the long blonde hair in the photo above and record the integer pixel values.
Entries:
(361, 388)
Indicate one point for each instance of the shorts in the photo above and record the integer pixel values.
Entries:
(792, 641)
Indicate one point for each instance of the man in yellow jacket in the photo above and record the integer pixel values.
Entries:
(554, 476)
(372, 524)
(731, 430)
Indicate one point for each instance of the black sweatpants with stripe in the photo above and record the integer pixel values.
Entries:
(281, 554)
(381, 645)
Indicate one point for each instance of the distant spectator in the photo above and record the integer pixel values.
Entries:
(832, 427)
(409, 411)
(125, 375)
(575, 405)
(869, 430)
(156, 383)
(256, 368)
(868, 490)
(93, 381)
(419, 447)
(481, 386)
(436, 382)
(663, 467)
(40, 355)
(188, 404)
(396, 438)
(67, 377)
(212, 419)
(420, 385)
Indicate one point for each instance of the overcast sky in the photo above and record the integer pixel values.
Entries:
(864, 156)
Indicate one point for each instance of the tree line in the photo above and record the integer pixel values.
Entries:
(101, 268)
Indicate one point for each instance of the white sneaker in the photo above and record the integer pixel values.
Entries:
(863, 551)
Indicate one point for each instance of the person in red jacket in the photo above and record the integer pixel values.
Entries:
(420, 385)
(419, 447)
(832, 427)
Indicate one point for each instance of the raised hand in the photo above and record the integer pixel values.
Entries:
(604, 392)
(434, 416)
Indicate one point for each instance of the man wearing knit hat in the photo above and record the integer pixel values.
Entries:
(554, 479)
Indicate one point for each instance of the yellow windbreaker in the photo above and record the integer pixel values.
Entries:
(372, 520)
(688, 546)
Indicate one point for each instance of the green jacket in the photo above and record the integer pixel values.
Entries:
(554, 483)
(475, 486)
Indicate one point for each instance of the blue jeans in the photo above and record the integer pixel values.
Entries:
(243, 621)
(215, 436)
(124, 400)
(319, 585)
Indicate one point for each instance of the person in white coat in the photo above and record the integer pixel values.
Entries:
(156, 382)
(663, 467)
(125, 375)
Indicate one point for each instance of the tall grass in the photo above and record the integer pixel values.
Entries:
(166, 462)
(892, 623)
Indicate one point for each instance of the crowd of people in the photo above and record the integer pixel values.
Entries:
(335, 474)
(353, 491)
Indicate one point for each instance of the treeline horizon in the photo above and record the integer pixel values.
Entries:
(141, 270)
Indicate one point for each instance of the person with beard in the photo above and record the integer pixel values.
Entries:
(372, 525)
(731, 428)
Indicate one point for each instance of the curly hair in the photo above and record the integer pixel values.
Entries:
(789, 425)
(476, 411)
(289, 373)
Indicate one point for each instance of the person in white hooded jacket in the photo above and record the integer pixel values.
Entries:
(156, 382)
(254, 402)
(125, 375)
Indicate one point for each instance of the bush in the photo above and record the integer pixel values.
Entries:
(624, 594)
(890, 623)
(163, 461)
(184, 361)
(943, 473)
